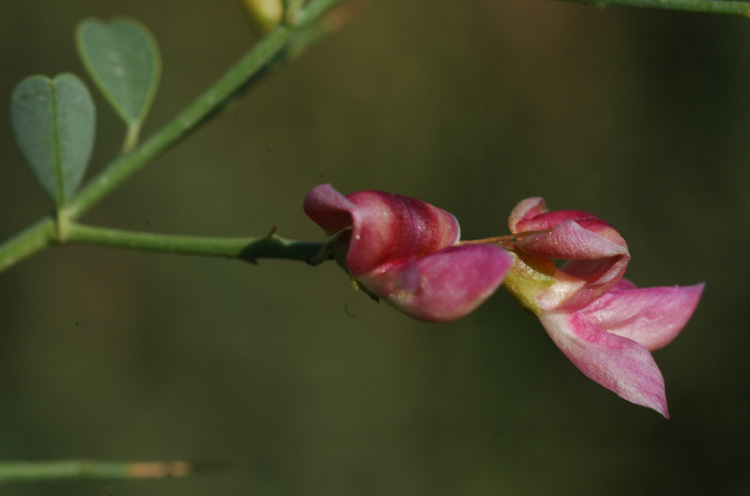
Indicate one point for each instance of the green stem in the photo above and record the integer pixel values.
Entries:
(90, 469)
(249, 249)
(730, 7)
(33, 239)
(268, 50)
(131, 137)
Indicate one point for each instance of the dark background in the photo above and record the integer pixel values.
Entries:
(304, 386)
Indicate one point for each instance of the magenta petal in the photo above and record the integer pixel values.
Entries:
(548, 220)
(597, 261)
(617, 363)
(443, 286)
(651, 316)
(328, 208)
(569, 240)
(385, 228)
(531, 215)
(524, 210)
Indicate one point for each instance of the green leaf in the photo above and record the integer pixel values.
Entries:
(122, 58)
(53, 122)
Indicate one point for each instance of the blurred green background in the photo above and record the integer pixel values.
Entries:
(303, 386)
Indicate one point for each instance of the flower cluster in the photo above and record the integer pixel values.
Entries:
(408, 253)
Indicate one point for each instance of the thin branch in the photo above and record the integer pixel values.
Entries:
(249, 249)
(730, 7)
(34, 238)
(91, 469)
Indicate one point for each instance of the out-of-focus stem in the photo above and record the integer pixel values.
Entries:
(33, 239)
(90, 469)
(730, 7)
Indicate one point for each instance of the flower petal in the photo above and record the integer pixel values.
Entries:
(442, 286)
(524, 210)
(328, 208)
(385, 228)
(624, 284)
(651, 316)
(531, 214)
(596, 260)
(617, 363)
(597, 255)
(569, 240)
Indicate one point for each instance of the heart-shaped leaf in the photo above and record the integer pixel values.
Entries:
(53, 122)
(123, 60)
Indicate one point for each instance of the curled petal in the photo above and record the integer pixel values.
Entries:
(597, 262)
(328, 208)
(531, 215)
(443, 286)
(617, 363)
(596, 254)
(524, 210)
(570, 240)
(651, 316)
(384, 227)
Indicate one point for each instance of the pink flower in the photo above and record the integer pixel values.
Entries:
(407, 252)
(404, 251)
(601, 322)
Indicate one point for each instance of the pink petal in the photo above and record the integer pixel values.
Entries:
(531, 214)
(385, 228)
(598, 276)
(569, 240)
(328, 208)
(525, 209)
(443, 286)
(624, 284)
(548, 220)
(617, 363)
(597, 261)
(652, 316)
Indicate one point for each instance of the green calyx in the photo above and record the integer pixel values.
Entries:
(527, 278)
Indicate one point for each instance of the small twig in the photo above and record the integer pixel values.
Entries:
(248, 249)
(91, 469)
(729, 7)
